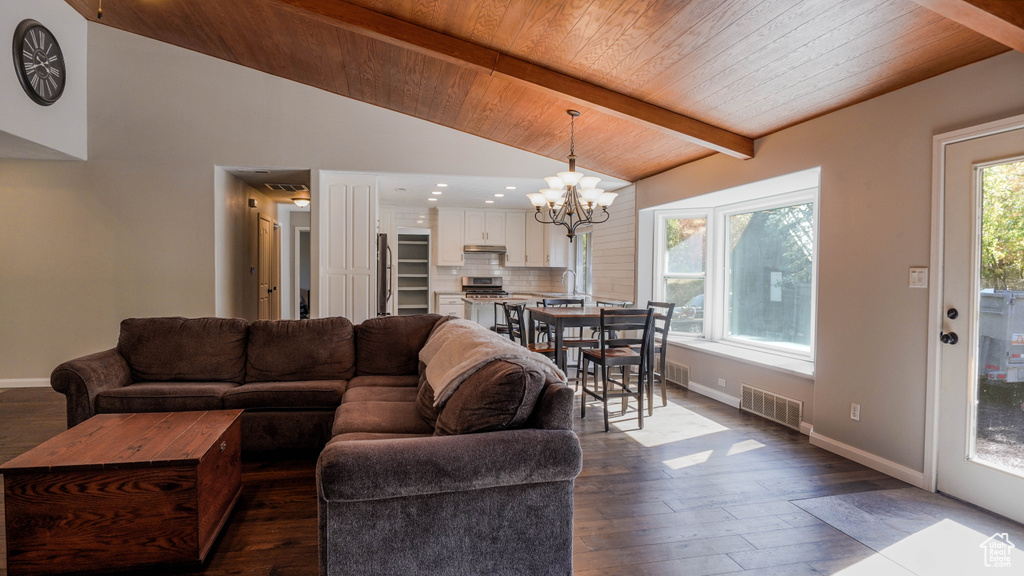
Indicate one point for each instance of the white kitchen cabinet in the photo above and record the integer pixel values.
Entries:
(535, 243)
(515, 238)
(485, 227)
(450, 305)
(450, 239)
(558, 247)
(547, 246)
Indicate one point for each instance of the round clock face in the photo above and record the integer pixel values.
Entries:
(39, 62)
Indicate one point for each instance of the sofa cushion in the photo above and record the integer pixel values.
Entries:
(390, 345)
(353, 436)
(499, 396)
(425, 401)
(382, 417)
(184, 349)
(380, 394)
(291, 350)
(408, 380)
(163, 397)
(286, 395)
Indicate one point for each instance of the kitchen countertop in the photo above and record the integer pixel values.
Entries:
(588, 299)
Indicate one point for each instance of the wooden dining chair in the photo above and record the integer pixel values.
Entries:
(620, 329)
(575, 340)
(515, 318)
(662, 324)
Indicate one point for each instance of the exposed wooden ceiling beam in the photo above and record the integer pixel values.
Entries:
(1000, 20)
(486, 60)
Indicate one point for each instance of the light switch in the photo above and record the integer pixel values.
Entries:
(918, 277)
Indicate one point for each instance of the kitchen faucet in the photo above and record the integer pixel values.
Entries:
(573, 272)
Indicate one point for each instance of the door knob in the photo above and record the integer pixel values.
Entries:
(948, 338)
(952, 313)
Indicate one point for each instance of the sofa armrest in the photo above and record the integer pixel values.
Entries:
(79, 380)
(362, 470)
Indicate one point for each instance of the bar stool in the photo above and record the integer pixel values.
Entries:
(573, 342)
(662, 323)
(615, 351)
(515, 318)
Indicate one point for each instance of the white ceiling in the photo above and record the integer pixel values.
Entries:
(414, 190)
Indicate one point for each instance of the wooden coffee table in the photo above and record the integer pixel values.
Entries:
(123, 490)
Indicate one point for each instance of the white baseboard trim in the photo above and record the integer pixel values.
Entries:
(806, 428)
(884, 466)
(713, 394)
(24, 382)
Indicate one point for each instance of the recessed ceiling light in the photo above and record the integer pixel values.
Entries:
(432, 199)
(436, 192)
(499, 195)
(488, 201)
(510, 187)
(442, 185)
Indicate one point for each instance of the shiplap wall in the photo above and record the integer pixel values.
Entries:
(614, 250)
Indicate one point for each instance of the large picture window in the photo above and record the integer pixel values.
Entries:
(742, 273)
(769, 270)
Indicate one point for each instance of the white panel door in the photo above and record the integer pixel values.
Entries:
(981, 381)
(348, 225)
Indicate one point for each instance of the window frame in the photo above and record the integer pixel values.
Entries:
(717, 265)
(585, 243)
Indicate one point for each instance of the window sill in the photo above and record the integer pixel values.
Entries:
(784, 364)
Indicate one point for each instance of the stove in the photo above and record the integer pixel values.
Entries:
(483, 287)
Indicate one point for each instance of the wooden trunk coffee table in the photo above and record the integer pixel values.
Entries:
(123, 490)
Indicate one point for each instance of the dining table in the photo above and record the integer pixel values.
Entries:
(561, 318)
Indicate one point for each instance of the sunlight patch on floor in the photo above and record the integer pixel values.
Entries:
(744, 446)
(949, 547)
(690, 460)
(669, 424)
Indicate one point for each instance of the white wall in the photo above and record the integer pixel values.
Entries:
(614, 250)
(876, 185)
(133, 231)
(58, 131)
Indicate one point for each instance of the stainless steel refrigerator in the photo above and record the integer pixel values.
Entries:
(383, 275)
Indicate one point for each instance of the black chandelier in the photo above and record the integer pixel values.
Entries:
(572, 198)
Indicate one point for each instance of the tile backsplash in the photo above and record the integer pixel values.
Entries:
(449, 278)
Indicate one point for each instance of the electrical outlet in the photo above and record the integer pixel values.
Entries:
(855, 412)
(721, 382)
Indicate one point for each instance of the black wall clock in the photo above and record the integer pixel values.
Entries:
(39, 62)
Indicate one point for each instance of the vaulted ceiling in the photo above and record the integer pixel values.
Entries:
(659, 82)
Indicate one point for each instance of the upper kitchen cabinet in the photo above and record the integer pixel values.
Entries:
(515, 238)
(546, 245)
(448, 248)
(485, 227)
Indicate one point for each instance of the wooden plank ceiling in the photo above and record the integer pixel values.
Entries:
(659, 82)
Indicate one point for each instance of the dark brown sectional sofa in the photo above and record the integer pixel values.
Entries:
(482, 486)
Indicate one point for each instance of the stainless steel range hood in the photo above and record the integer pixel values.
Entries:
(486, 248)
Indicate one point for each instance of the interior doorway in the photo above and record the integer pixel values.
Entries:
(301, 275)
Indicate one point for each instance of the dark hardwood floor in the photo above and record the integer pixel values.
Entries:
(703, 489)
